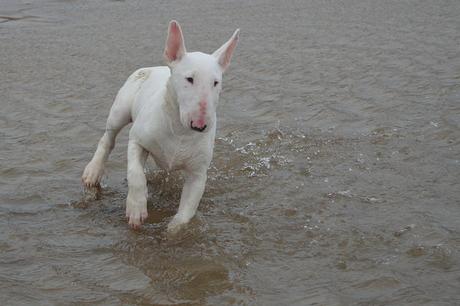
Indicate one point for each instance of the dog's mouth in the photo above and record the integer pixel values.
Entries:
(195, 128)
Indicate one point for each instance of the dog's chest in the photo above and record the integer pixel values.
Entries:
(174, 153)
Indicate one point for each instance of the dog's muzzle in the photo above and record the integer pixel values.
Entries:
(199, 129)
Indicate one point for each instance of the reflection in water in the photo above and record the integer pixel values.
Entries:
(335, 173)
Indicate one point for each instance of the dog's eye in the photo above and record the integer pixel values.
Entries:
(190, 80)
(215, 83)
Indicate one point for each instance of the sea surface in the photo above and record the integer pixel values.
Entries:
(336, 171)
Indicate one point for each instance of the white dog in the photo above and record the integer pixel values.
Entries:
(173, 110)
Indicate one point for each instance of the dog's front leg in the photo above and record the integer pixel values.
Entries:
(192, 191)
(136, 203)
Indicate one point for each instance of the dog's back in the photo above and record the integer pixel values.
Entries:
(143, 85)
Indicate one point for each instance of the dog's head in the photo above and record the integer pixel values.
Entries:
(196, 78)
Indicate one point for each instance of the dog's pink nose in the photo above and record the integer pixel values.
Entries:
(199, 125)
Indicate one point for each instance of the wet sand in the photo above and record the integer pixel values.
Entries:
(336, 170)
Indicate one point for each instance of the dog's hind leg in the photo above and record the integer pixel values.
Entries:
(120, 116)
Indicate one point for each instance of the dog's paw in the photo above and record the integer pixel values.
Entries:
(175, 225)
(136, 214)
(92, 175)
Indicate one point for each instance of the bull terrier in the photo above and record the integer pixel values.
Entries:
(173, 111)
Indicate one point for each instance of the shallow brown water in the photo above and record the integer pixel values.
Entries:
(336, 172)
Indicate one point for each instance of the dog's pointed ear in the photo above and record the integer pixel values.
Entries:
(224, 53)
(175, 47)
